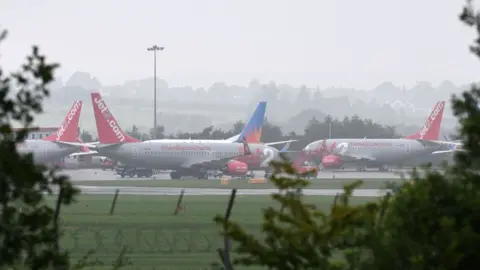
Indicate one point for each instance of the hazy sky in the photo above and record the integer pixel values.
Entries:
(327, 43)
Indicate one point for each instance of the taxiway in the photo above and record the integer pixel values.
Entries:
(84, 175)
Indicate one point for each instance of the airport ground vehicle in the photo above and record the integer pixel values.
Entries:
(129, 171)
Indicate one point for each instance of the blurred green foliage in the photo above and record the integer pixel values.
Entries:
(30, 228)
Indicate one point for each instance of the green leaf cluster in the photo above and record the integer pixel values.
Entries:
(30, 229)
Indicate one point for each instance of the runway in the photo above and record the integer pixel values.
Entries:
(100, 175)
(83, 175)
(96, 190)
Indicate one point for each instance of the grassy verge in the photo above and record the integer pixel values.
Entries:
(316, 183)
(155, 238)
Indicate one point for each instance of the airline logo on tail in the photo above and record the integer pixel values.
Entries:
(112, 123)
(253, 129)
(437, 111)
(73, 112)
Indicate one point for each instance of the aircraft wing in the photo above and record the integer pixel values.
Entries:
(280, 142)
(216, 163)
(447, 151)
(209, 164)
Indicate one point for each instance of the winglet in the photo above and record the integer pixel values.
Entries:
(68, 131)
(253, 129)
(431, 128)
(109, 132)
(285, 147)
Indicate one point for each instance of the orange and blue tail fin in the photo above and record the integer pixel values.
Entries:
(252, 131)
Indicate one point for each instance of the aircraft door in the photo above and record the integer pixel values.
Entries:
(134, 152)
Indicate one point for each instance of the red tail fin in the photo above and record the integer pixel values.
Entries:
(67, 132)
(107, 127)
(431, 129)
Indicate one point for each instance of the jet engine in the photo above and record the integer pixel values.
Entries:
(234, 167)
(331, 161)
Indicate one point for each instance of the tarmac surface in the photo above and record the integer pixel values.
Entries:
(100, 175)
(83, 175)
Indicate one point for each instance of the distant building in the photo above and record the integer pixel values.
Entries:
(39, 133)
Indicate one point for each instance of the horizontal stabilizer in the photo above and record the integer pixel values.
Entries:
(90, 153)
(69, 143)
(429, 143)
(104, 146)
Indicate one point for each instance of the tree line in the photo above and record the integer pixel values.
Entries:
(354, 127)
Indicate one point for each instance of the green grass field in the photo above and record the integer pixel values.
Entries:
(237, 183)
(153, 235)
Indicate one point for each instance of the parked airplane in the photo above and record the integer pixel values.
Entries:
(335, 153)
(185, 157)
(58, 145)
(262, 153)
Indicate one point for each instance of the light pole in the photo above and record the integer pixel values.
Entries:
(155, 48)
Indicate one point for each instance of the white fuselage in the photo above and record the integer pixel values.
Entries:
(46, 151)
(379, 151)
(159, 154)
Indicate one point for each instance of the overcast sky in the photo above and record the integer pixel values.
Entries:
(327, 43)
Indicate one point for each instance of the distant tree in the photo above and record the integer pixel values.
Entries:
(134, 132)
(271, 132)
(159, 133)
(303, 98)
(317, 98)
(86, 136)
(430, 222)
(205, 134)
(238, 127)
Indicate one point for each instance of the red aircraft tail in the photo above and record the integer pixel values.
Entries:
(431, 128)
(67, 132)
(109, 132)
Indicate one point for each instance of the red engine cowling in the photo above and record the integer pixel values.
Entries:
(234, 167)
(331, 161)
